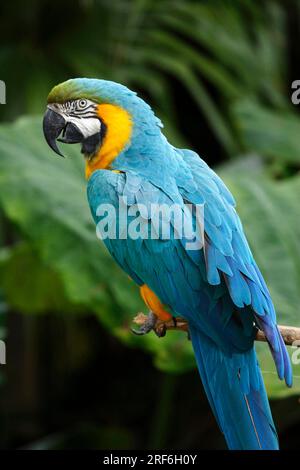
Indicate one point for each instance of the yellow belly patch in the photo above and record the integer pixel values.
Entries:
(154, 304)
(118, 132)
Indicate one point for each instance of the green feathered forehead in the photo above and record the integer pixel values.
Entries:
(75, 89)
(100, 91)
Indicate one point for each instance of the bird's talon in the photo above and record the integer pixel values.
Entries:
(139, 332)
(160, 330)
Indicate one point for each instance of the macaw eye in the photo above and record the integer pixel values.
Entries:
(82, 104)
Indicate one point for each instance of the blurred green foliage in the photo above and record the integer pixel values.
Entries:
(218, 75)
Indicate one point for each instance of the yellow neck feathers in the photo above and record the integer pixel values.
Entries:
(118, 132)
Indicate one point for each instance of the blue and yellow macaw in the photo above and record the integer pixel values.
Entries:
(218, 288)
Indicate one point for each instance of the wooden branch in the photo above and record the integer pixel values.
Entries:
(290, 334)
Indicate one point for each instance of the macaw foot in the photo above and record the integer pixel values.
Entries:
(149, 323)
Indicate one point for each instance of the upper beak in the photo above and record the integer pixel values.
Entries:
(54, 124)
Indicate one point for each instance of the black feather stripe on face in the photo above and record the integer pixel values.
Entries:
(91, 145)
(79, 108)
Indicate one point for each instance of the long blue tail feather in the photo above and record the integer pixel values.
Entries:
(237, 395)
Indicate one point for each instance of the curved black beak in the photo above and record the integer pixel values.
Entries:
(56, 127)
(53, 124)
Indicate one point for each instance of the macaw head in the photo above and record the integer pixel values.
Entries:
(102, 116)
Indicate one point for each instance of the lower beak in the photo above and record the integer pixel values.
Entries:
(54, 125)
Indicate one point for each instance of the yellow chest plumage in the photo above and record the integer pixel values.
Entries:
(118, 132)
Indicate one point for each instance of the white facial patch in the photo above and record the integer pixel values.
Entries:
(87, 126)
(82, 113)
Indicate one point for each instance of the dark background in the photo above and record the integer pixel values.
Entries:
(219, 76)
